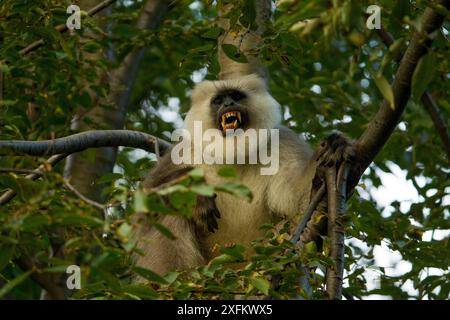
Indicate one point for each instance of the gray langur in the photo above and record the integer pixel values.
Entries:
(241, 103)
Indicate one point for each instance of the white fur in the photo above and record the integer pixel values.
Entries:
(280, 196)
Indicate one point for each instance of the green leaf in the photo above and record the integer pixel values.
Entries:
(109, 177)
(92, 46)
(310, 248)
(248, 14)
(227, 171)
(385, 89)
(172, 189)
(171, 277)
(213, 33)
(423, 74)
(56, 269)
(203, 190)
(150, 275)
(236, 189)
(233, 53)
(183, 200)
(34, 221)
(13, 283)
(125, 232)
(141, 291)
(260, 283)
(12, 183)
(397, 46)
(235, 251)
(7, 103)
(165, 231)
(222, 259)
(73, 219)
(205, 48)
(6, 254)
(140, 202)
(197, 174)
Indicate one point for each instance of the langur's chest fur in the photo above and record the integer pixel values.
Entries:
(240, 218)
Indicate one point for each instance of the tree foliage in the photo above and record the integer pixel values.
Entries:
(327, 70)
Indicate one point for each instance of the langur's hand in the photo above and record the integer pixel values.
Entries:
(206, 214)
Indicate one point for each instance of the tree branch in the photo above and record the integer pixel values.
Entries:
(63, 28)
(10, 194)
(383, 124)
(368, 146)
(308, 214)
(337, 197)
(427, 101)
(46, 281)
(82, 141)
(82, 197)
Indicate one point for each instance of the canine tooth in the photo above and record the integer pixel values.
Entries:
(239, 116)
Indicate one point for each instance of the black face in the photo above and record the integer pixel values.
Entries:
(229, 110)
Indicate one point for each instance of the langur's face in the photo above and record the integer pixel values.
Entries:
(229, 110)
(241, 103)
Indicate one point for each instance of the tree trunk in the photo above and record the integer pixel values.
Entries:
(82, 170)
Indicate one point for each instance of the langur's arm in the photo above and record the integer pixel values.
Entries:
(160, 253)
(290, 190)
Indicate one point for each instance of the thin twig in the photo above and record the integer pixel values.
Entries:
(10, 194)
(308, 214)
(63, 28)
(82, 197)
(296, 238)
(166, 184)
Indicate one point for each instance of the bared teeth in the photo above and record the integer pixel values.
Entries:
(235, 123)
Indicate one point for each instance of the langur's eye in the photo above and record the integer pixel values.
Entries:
(237, 95)
(217, 100)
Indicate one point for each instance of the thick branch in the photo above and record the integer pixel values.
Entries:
(385, 121)
(427, 100)
(46, 281)
(337, 197)
(63, 28)
(82, 141)
(368, 146)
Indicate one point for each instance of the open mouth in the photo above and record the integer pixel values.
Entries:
(231, 120)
